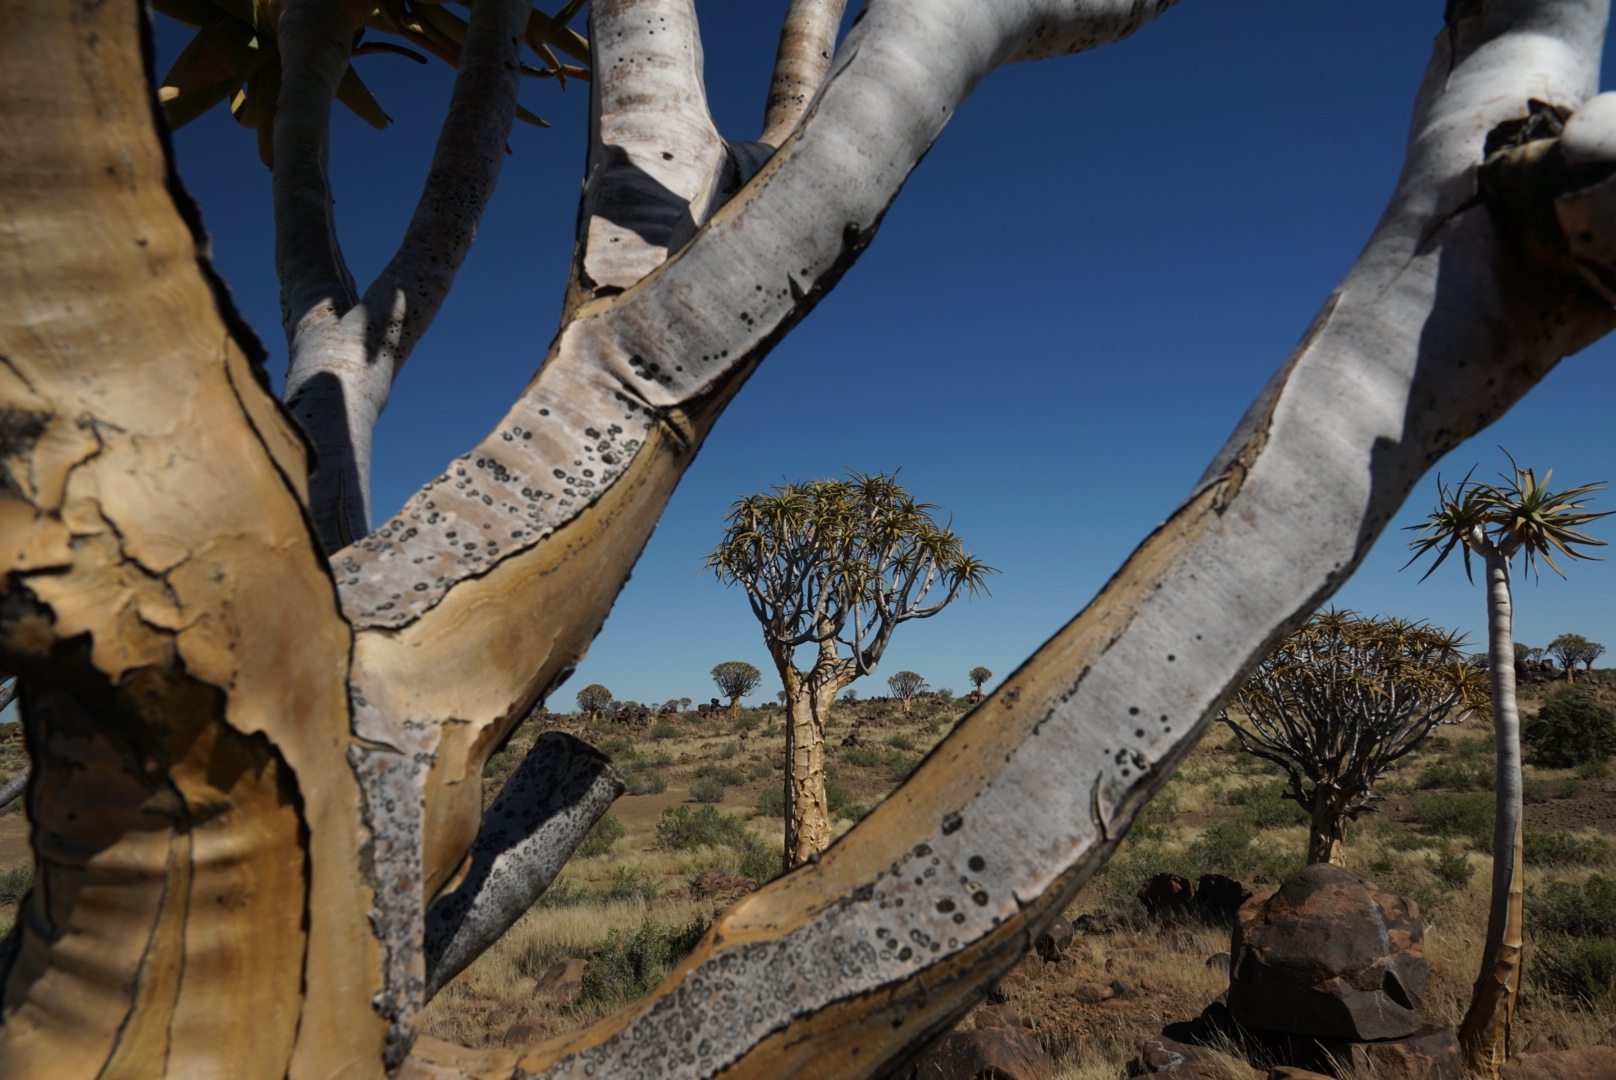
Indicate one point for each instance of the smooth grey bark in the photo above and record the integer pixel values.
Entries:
(345, 350)
(807, 42)
(549, 803)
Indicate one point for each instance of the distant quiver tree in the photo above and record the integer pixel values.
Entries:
(905, 685)
(735, 679)
(1343, 698)
(978, 675)
(1521, 516)
(593, 700)
(834, 566)
(1574, 649)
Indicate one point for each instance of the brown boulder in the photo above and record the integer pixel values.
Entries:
(1432, 1053)
(1218, 898)
(1582, 1063)
(996, 1053)
(1293, 1072)
(1092, 993)
(1166, 894)
(1052, 943)
(716, 884)
(563, 981)
(998, 1016)
(1329, 956)
(1162, 1056)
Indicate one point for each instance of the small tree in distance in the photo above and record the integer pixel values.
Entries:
(905, 685)
(593, 700)
(1343, 698)
(978, 675)
(834, 565)
(1568, 649)
(735, 679)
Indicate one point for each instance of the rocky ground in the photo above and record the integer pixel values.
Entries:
(622, 911)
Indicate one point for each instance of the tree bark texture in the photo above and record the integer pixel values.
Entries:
(1326, 833)
(251, 775)
(1485, 1030)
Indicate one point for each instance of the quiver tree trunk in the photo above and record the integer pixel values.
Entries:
(1485, 1031)
(1327, 829)
(810, 697)
(255, 769)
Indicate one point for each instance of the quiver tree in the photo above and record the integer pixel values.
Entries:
(1522, 516)
(978, 675)
(735, 679)
(835, 566)
(1574, 649)
(1342, 699)
(593, 700)
(904, 686)
(274, 757)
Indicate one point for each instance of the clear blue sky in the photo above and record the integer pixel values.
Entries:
(1063, 316)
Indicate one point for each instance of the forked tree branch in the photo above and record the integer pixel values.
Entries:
(345, 351)
(807, 41)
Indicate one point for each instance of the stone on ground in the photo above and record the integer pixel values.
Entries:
(1330, 956)
(995, 1053)
(1582, 1063)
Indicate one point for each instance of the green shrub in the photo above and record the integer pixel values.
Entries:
(645, 782)
(724, 774)
(15, 883)
(853, 812)
(1456, 815)
(837, 799)
(627, 965)
(565, 892)
(760, 771)
(1569, 787)
(664, 729)
(760, 862)
(618, 747)
(1570, 730)
(1451, 868)
(1534, 791)
(901, 742)
(1400, 839)
(684, 829)
(901, 765)
(709, 789)
(1455, 777)
(1588, 770)
(863, 757)
(729, 751)
(601, 836)
(1583, 968)
(628, 883)
(1268, 808)
(1586, 910)
(772, 802)
(1563, 849)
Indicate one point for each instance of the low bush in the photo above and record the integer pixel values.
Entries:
(1586, 910)
(1451, 868)
(724, 774)
(1570, 730)
(729, 751)
(618, 747)
(901, 742)
(1583, 968)
(760, 771)
(565, 892)
(601, 836)
(1588, 770)
(1454, 777)
(1467, 815)
(772, 802)
(1268, 808)
(901, 765)
(863, 757)
(664, 729)
(1569, 787)
(1564, 849)
(709, 789)
(15, 883)
(628, 883)
(684, 829)
(1535, 791)
(645, 782)
(628, 964)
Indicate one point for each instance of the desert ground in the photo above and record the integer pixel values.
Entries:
(700, 826)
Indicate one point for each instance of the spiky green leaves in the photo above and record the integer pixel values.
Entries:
(1520, 515)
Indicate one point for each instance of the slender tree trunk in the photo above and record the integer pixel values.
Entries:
(809, 832)
(1485, 1031)
(1326, 834)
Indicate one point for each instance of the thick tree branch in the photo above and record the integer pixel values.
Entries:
(345, 351)
(14, 787)
(552, 799)
(807, 41)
